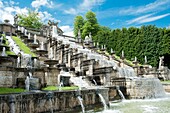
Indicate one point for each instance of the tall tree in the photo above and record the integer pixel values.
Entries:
(78, 24)
(91, 24)
(30, 20)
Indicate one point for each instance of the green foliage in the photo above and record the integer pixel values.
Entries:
(31, 20)
(165, 82)
(10, 53)
(87, 25)
(78, 24)
(91, 24)
(22, 46)
(11, 90)
(147, 41)
(62, 88)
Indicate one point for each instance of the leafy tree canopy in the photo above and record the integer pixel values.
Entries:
(78, 24)
(30, 20)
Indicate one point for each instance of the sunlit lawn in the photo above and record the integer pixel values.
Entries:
(51, 88)
(167, 82)
(11, 90)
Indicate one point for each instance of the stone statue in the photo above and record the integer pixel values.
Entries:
(123, 54)
(161, 62)
(90, 37)
(146, 60)
(79, 36)
(49, 22)
(16, 19)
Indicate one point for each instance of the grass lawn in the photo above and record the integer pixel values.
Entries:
(22, 46)
(11, 90)
(168, 81)
(51, 88)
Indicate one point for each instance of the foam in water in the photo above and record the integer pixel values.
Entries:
(78, 81)
(147, 88)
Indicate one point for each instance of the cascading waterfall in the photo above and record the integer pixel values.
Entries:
(120, 93)
(27, 83)
(81, 103)
(95, 83)
(103, 101)
(147, 88)
(78, 81)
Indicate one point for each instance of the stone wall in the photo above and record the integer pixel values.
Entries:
(44, 102)
(166, 86)
(6, 78)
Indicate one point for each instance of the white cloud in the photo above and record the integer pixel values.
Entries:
(84, 6)
(150, 19)
(146, 18)
(158, 5)
(168, 27)
(154, 7)
(71, 11)
(1, 4)
(8, 10)
(89, 4)
(138, 19)
(37, 3)
(45, 16)
(67, 30)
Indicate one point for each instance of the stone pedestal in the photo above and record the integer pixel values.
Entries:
(52, 76)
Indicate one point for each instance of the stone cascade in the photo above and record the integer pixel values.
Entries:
(56, 52)
(51, 101)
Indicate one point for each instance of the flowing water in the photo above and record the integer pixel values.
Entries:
(81, 103)
(27, 83)
(121, 94)
(160, 105)
(103, 101)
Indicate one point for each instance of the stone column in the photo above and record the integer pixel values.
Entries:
(69, 57)
(108, 83)
(91, 70)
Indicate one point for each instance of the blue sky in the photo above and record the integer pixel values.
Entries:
(110, 13)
